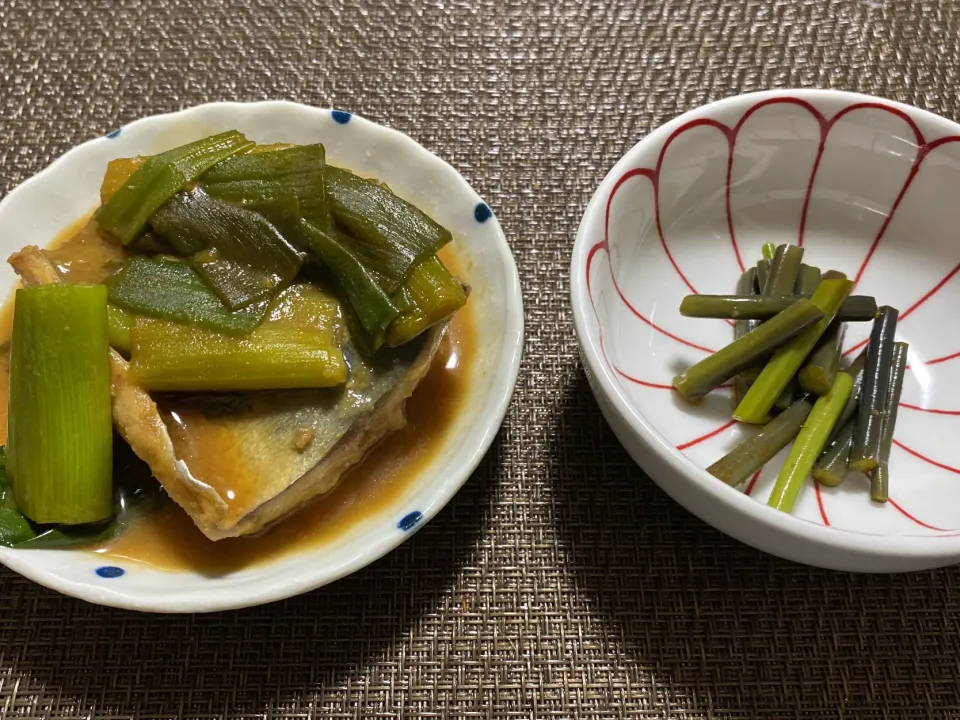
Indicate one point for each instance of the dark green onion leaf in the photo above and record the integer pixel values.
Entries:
(161, 177)
(283, 185)
(388, 235)
(171, 289)
(237, 252)
(372, 306)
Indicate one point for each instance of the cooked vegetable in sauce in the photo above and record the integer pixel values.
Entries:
(249, 319)
(785, 362)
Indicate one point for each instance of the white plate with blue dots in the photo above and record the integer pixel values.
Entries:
(39, 210)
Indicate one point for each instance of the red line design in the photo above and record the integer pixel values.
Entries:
(951, 356)
(931, 461)
(924, 148)
(906, 313)
(823, 511)
(753, 481)
(909, 311)
(643, 383)
(932, 411)
(907, 515)
(706, 436)
(915, 519)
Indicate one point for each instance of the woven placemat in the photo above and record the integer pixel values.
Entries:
(560, 582)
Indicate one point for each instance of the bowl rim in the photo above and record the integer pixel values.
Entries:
(942, 547)
(375, 546)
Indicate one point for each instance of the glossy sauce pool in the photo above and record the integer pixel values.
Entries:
(169, 540)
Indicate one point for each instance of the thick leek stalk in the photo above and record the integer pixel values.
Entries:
(295, 348)
(60, 437)
(119, 324)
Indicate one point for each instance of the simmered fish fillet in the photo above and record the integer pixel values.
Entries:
(238, 463)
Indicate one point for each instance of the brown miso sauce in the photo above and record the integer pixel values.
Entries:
(169, 540)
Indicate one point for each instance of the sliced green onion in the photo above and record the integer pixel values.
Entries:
(161, 177)
(372, 306)
(119, 324)
(295, 348)
(388, 235)
(60, 437)
(272, 181)
(430, 294)
(172, 290)
(238, 252)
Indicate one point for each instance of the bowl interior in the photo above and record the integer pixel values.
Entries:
(37, 211)
(867, 188)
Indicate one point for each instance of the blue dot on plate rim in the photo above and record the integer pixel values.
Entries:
(113, 134)
(341, 116)
(482, 212)
(408, 521)
(110, 571)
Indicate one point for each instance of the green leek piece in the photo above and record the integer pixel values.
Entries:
(119, 324)
(172, 290)
(149, 243)
(716, 369)
(372, 306)
(784, 270)
(781, 368)
(60, 437)
(809, 444)
(161, 177)
(831, 469)
(431, 294)
(753, 453)
(296, 347)
(238, 252)
(873, 395)
(817, 374)
(136, 494)
(388, 235)
(768, 250)
(880, 479)
(272, 181)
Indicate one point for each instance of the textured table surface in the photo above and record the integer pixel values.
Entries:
(560, 582)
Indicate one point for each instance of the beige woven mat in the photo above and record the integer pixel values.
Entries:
(560, 582)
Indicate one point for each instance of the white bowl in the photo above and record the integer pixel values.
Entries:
(869, 187)
(39, 209)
